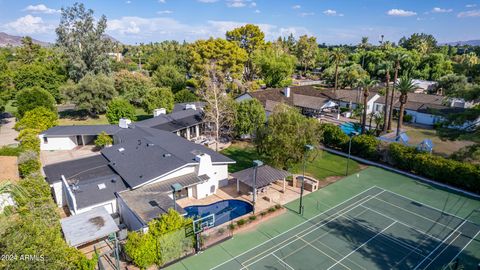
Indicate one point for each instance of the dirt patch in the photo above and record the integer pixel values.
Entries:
(9, 168)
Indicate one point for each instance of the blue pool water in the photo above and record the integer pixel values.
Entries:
(349, 128)
(224, 210)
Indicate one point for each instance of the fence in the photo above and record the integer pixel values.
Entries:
(214, 236)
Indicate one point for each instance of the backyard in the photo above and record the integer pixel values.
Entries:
(322, 166)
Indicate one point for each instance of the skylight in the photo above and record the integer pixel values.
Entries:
(102, 186)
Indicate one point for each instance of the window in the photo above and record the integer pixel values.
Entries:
(45, 140)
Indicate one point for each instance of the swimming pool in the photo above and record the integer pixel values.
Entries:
(224, 211)
(349, 128)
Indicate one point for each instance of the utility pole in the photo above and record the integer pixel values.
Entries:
(256, 164)
(308, 148)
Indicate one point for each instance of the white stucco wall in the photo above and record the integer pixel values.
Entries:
(110, 206)
(128, 217)
(57, 143)
(58, 192)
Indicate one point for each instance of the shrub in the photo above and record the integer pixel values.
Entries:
(271, 209)
(278, 206)
(103, 139)
(407, 118)
(39, 118)
(141, 249)
(28, 163)
(31, 98)
(252, 218)
(365, 146)
(241, 222)
(333, 136)
(29, 140)
(262, 214)
(185, 95)
(120, 108)
(231, 226)
(221, 231)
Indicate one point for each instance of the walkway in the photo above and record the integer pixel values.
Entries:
(7, 132)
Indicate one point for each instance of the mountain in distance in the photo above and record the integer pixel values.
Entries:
(10, 40)
(474, 42)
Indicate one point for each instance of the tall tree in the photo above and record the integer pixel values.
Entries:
(31, 98)
(219, 108)
(120, 108)
(83, 41)
(158, 97)
(421, 42)
(276, 66)
(366, 84)
(132, 86)
(250, 38)
(364, 45)
(306, 51)
(337, 56)
(29, 51)
(386, 68)
(405, 85)
(397, 57)
(92, 93)
(250, 116)
(169, 76)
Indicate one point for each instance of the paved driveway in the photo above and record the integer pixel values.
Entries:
(7, 133)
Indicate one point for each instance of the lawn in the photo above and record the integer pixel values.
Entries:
(323, 165)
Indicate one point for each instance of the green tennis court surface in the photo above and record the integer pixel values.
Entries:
(376, 229)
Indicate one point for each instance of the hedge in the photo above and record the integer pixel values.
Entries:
(448, 171)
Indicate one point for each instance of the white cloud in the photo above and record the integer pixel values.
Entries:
(296, 7)
(470, 5)
(470, 13)
(140, 29)
(401, 13)
(207, 1)
(28, 25)
(164, 12)
(253, 4)
(331, 12)
(40, 8)
(162, 1)
(441, 10)
(257, 11)
(236, 3)
(305, 14)
(128, 2)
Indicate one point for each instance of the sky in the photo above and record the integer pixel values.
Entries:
(331, 21)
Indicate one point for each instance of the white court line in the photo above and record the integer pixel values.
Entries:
(411, 212)
(426, 205)
(288, 240)
(438, 246)
(404, 224)
(464, 248)
(282, 261)
(449, 244)
(296, 226)
(353, 251)
(321, 251)
(341, 255)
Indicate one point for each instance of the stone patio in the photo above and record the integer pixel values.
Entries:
(50, 157)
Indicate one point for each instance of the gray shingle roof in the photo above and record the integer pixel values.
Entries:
(265, 175)
(182, 106)
(174, 121)
(81, 130)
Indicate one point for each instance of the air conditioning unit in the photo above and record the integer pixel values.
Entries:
(123, 122)
(158, 112)
(190, 107)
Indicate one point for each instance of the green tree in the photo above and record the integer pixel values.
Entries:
(421, 42)
(92, 93)
(83, 41)
(185, 95)
(366, 84)
(29, 139)
(451, 84)
(333, 136)
(398, 57)
(31, 98)
(229, 58)
(250, 116)
(306, 51)
(283, 140)
(386, 69)
(169, 76)
(250, 38)
(171, 53)
(404, 86)
(39, 118)
(39, 75)
(132, 86)
(120, 108)
(141, 248)
(158, 97)
(103, 139)
(276, 67)
(337, 56)
(29, 52)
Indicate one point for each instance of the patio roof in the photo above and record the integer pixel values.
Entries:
(265, 175)
(88, 226)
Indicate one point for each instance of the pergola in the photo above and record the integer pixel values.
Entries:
(265, 176)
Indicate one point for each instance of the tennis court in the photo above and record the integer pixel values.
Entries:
(376, 229)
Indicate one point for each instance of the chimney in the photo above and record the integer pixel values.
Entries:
(191, 106)
(124, 122)
(158, 112)
(286, 92)
(204, 164)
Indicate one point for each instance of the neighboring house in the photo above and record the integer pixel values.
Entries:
(425, 109)
(186, 120)
(309, 99)
(135, 175)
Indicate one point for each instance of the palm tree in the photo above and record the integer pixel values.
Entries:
(366, 83)
(337, 56)
(364, 46)
(397, 57)
(405, 86)
(386, 68)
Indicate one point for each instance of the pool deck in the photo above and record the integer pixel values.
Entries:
(273, 195)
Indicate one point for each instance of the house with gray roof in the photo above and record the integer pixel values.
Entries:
(134, 177)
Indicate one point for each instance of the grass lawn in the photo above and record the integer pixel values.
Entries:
(71, 119)
(10, 108)
(324, 164)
